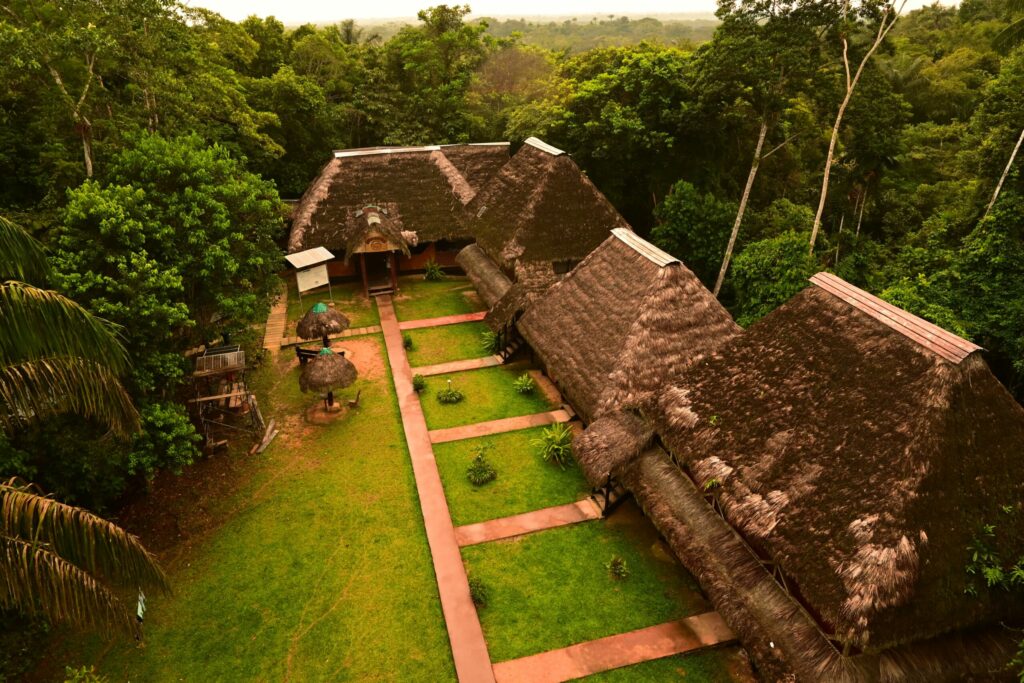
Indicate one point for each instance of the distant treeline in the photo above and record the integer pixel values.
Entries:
(572, 35)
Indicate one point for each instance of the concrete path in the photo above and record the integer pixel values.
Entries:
(444, 320)
(595, 656)
(469, 650)
(276, 322)
(528, 522)
(457, 366)
(351, 332)
(507, 424)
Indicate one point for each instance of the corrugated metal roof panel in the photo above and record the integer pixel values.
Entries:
(932, 337)
(540, 144)
(310, 257)
(644, 247)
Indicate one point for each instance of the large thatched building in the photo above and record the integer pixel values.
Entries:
(825, 475)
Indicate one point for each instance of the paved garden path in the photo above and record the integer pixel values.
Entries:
(528, 522)
(458, 366)
(276, 322)
(634, 647)
(505, 424)
(469, 650)
(443, 320)
(351, 332)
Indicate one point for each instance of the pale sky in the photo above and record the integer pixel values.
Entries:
(327, 11)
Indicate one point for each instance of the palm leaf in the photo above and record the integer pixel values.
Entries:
(34, 580)
(91, 543)
(1011, 36)
(39, 323)
(50, 386)
(21, 257)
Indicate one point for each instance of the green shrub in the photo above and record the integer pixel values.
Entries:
(449, 394)
(477, 592)
(419, 383)
(490, 342)
(433, 272)
(481, 471)
(407, 342)
(556, 444)
(618, 568)
(83, 674)
(524, 384)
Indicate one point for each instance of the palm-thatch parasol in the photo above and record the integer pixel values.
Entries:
(322, 321)
(326, 372)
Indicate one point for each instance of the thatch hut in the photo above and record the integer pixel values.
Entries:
(591, 326)
(827, 473)
(327, 372)
(320, 322)
(488, 279)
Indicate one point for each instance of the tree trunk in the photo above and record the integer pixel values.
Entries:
(85, 128)
(754, 165)
(1006, 172)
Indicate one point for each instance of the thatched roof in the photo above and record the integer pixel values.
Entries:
(611, 443)
(321, 321)
(541, 207)
(581, 328)
(426, 187)
(859, 450)
(326, 372)
(781, 636)
(491, 284)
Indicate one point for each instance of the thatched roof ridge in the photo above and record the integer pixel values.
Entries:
(824, 428)
(491, 284)
(610, 443)
(425, 184)
(581, 328)
(781, 636)
(541, 207)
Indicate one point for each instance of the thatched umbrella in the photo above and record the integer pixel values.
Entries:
(322, 321)
(327, 372)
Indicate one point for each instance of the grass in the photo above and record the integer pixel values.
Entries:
(348, 298)
(550, 589)
(489, 396)
(525, 482)
(433, 345)
(319, 571)
(709, 666)
(418, 299)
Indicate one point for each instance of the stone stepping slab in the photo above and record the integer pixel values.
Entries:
(457, 366)
(643, 645)
(528, 522)
(507, 424)
(443, 320)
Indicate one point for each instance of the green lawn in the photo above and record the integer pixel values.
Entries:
(489, 395)
(551, 589)
(709, 666)
(348, 298)
(433, 345)
(417, 298)
(525, 482)
(321, 570)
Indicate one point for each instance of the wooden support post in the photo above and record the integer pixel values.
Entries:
(394, 271)
(366, 281)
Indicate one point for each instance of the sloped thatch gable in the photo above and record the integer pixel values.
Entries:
(540, 207)
(424, 185)
(581, 327)
(861, 450)
(491, 284)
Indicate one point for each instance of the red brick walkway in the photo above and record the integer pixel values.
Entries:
(457, 366)
(595, 656)
(528, 522)
(469, 650)
(506, 424)
(444, 320)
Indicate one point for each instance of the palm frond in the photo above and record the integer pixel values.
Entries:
(21, 256)
(39, 323)
(91, 543)
(1011, 36)
(52, 386)
(34, 580)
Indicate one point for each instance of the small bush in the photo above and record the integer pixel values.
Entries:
(433, 272)
(419, 383)
(449, 394)
(477, 592)
(524, 384)
(617, 568)
(84, 674)
(481, 471)
(407, 342)
(556, 445)
(490, 342)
